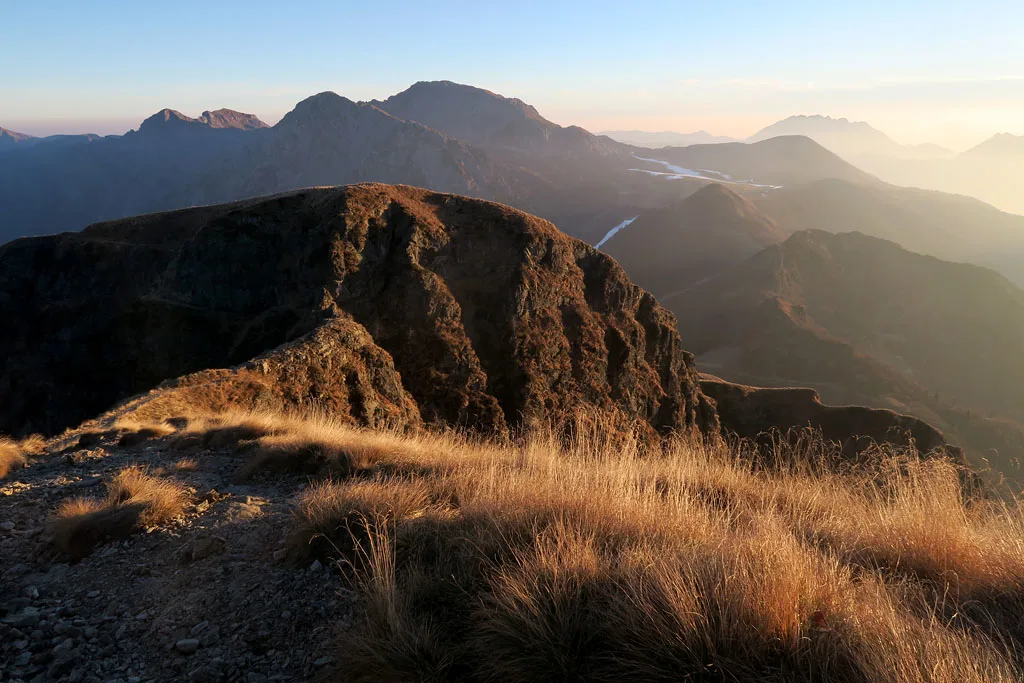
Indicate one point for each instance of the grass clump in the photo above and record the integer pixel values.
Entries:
(135, 500)
(331, 516)
(12, 457)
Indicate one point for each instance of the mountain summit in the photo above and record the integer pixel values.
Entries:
(170, 120)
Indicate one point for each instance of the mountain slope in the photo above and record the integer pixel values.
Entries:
(943, 225)
(865, 321)
(666, 250)
(501, 125)
(379, 304)
(788, 160)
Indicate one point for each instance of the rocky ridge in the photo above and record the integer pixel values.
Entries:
(382, 304)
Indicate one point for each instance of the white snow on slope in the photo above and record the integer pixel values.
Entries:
(676, 172)
(611, 233)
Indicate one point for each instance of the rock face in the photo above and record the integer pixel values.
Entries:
(752, 412)
(377, 303)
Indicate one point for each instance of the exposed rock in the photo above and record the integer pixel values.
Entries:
(187, 645)
(753, 412)
(380, 304)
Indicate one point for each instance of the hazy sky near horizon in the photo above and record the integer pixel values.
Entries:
(945, 72)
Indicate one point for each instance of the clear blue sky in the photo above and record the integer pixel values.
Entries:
(946, 71)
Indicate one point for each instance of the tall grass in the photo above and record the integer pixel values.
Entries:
(586, 556)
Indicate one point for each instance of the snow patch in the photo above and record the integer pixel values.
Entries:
(611, 233)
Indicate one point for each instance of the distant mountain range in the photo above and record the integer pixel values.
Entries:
(991, 171)
(440, 135)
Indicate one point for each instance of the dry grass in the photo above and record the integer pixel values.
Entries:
(588, 557)
(33, 445)
(185, 465)
(135, 500)
(591, 559)
(12, 457)
(277, 443)
(15, 454)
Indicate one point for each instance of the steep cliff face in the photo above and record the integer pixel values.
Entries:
(377, 303)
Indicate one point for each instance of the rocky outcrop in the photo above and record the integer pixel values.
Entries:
(757, 413)
(380, 304)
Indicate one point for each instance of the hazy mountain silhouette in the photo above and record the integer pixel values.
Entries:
(852, 140)
(1002, 145)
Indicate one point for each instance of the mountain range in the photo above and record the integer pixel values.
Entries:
(783, 262)
(852, 140)
(989, 171)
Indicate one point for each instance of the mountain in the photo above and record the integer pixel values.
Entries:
(668, 249)
(9, 139)
(643, 138)
(561, 173)
(862, 320)
(170, 122)
(577, 178)
(506, 127)
(852, 140)
(989, 172)
(947, 226)
(781, 161)
(383, 305)
(1002, 145)
(330, 140)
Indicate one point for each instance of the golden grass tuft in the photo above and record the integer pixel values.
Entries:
(330, 515)
(135, 500)
(33, 445)
(12, 457)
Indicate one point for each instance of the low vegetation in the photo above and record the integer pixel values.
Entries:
(135, 500)
(591, 557)
(15, 454)
(11, 457)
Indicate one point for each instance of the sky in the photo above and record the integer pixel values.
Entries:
(950, 73)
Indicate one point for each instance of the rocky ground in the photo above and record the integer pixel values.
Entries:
(210, 597)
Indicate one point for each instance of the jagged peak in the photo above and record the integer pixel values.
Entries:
(171, 119)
